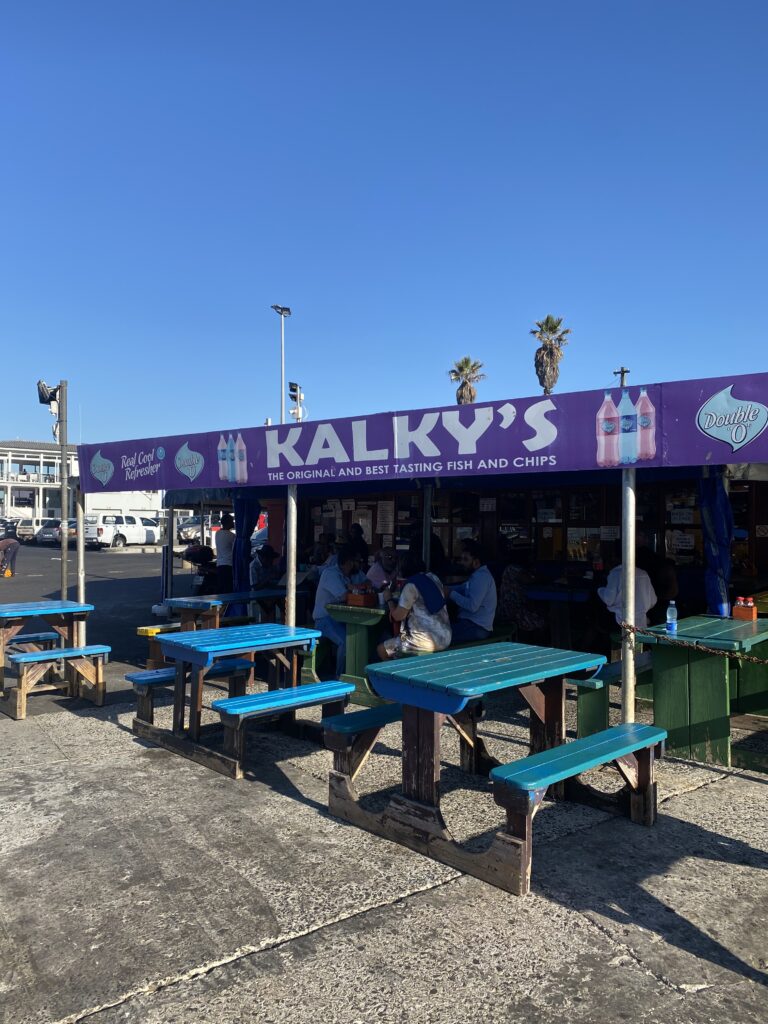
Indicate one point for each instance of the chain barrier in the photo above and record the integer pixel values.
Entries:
(694, 645)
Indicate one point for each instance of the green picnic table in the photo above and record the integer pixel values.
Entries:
(363, 626)
(695, 691)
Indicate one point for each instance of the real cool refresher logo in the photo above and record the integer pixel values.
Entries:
(733, 420)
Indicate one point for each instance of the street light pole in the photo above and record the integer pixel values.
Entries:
(282, 312)
(64, 476)
(291, 495)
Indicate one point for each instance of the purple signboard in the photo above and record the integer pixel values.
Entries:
(678, 424)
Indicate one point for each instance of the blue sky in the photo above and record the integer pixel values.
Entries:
(418, 181)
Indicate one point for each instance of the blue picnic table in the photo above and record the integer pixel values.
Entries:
(196, 651)
(206, 611)
(61, 616)
(435, 685)
(434, 689)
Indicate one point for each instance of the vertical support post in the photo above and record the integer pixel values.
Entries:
(290, 556)
(168, 588)
(80, 541)
(426, 536)
(628, 594)
(202, 523)
(64, 487)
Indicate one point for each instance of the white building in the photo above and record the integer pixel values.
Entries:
(30, 484)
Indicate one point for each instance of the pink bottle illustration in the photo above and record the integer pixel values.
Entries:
(607, 432)
(646, 427)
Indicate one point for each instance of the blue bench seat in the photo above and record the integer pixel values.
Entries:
(352, 736)
(236, 711)
(520, 787)
(235, 670)
(84, 667)
(35, 638)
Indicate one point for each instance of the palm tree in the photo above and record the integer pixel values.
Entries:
(550, 351)
(466, 373)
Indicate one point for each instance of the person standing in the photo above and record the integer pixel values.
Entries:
(225, 545)
(9, 548)
(476, 598)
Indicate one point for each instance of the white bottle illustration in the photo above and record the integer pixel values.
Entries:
(627, 430)
(241, 461)
(231, 468)
(221, 453)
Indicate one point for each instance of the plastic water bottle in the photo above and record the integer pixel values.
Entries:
(231, 461)
(607, 432)
(241, 461)
(646, 426)
(672, 617)
(221, 452)
(627, 430)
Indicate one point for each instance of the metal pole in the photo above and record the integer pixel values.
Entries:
(426, 533)
(64, 487)
(80, 541)
(282, 368)
(628, 594)
(290, 544)
(169, 539)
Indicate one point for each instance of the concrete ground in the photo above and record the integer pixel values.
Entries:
(139, 887)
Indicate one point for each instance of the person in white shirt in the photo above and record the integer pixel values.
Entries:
(225, 544)
(645, 595)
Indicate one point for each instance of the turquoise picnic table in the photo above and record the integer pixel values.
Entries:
(61, 616)
(195, 652)
(695, 691)
(448, 687)
(208, 610)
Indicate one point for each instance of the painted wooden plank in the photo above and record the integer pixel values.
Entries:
(592, 710)
(57, 653)
(262, 705)
(359, 721)
(30, 609)
(563, 762)
(753, 684)
(671, 705)
(471, 672)
(710, 725)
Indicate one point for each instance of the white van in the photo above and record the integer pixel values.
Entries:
(26, 529)
(115, 530)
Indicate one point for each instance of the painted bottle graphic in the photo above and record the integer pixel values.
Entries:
(646, 427)
(627, 430)
(231, 466)
(221, 453)
(607, 431)
(241, 461)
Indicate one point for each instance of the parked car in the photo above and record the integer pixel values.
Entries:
(188, 530)
(26, 530)
(259, 538)
(49, 532)
(7, 528)
(113, 530)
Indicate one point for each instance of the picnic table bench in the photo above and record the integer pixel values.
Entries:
(235, 671)
(85, 675)
(194, 653)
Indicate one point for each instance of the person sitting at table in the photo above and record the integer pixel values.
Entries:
(476, 598)
(383, 572)
(335, 582)
(356, 541)
(225, 544)
(421, 612)
(514, 606)
(264, 569)
(611, 593)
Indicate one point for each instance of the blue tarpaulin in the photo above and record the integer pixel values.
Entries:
(717, 529)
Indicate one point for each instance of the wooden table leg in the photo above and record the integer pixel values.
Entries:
(421, 755)
(187, 619)
(196, 702)
(671, 697)
(179, 698)
(546, 700)
(7, 633)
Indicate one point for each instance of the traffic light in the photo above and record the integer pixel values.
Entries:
(297, 397)
(294, 391)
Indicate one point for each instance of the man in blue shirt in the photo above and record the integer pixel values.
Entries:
(335, 581)
(476, 598)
